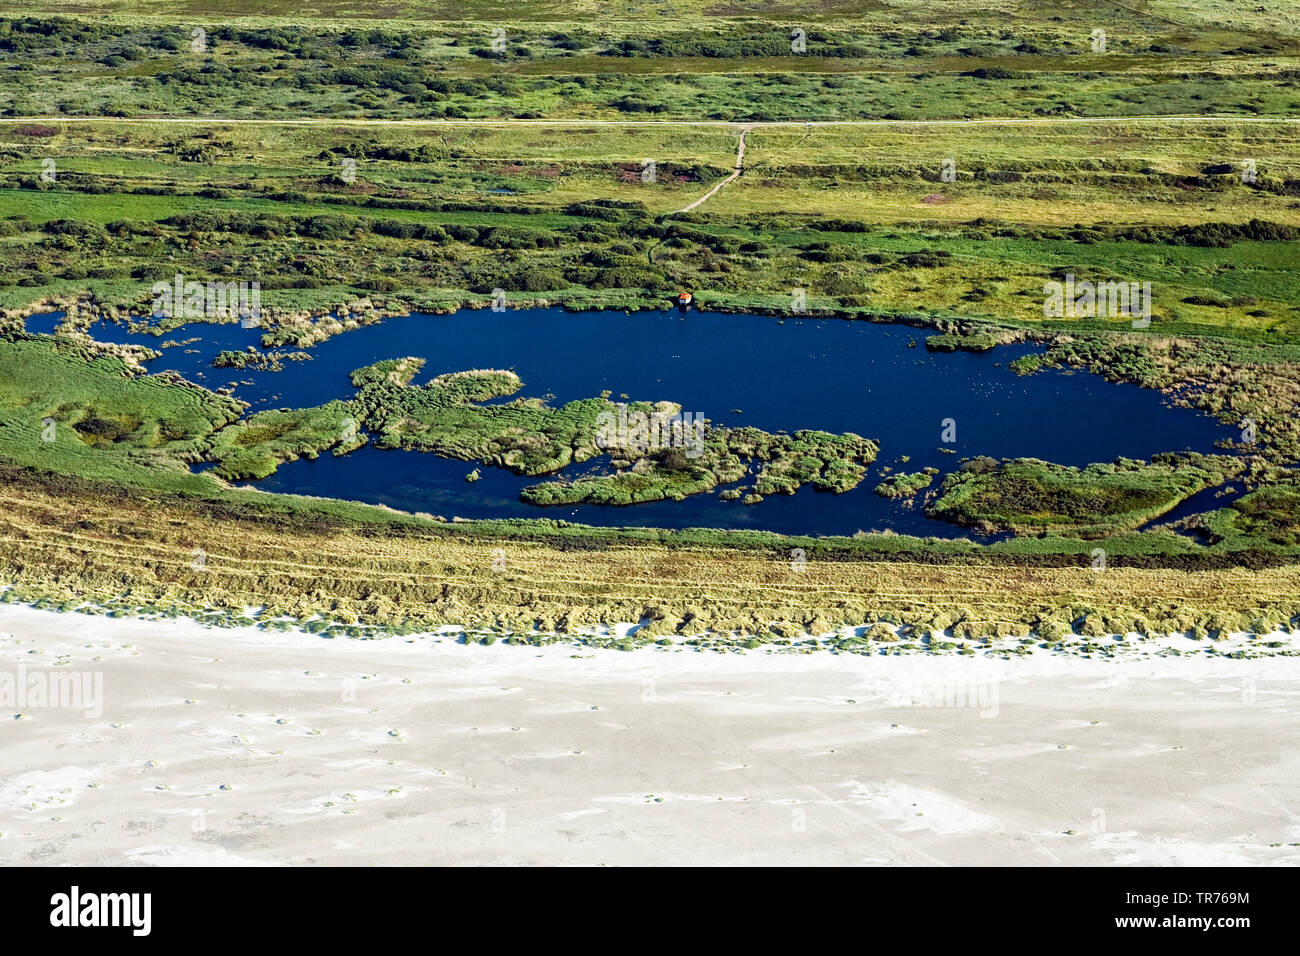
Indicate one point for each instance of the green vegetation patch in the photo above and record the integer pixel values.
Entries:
(254, 448)
(1028, 496)
(906, 484)
(656, 451)
(74, 406)
(272, 361)
(1271, 513)
(974, 342)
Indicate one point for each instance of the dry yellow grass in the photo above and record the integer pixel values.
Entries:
(81, 547)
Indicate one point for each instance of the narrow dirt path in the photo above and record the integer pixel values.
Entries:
(740, 168)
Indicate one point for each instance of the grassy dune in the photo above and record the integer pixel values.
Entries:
(140, 555)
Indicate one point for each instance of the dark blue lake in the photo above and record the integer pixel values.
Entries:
(774, 374)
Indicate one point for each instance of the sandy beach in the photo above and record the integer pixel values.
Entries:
(240, 747)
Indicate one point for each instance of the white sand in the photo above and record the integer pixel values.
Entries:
(220, 747)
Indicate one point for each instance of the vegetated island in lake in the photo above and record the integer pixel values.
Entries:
(906, 484)
(1028, 496)
(272, 361)
(656, 453)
